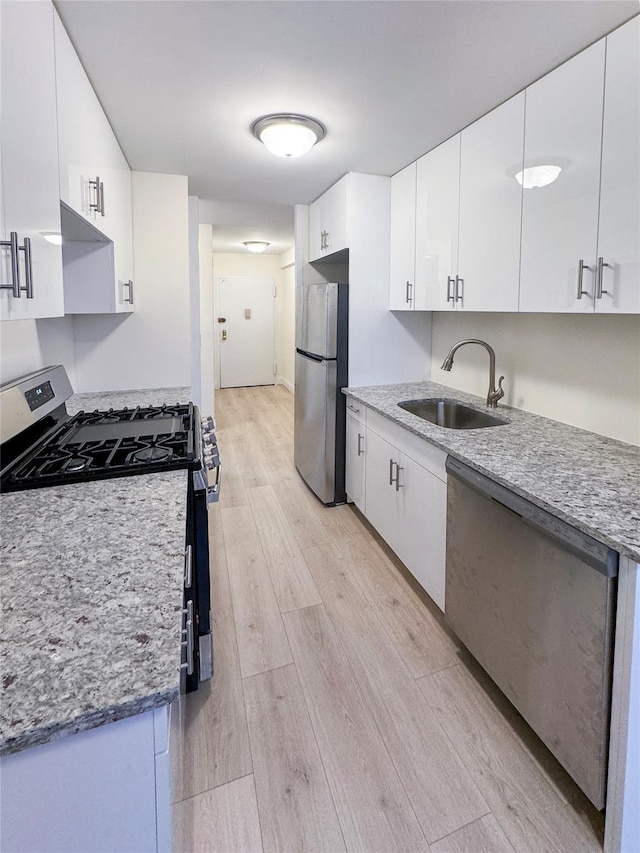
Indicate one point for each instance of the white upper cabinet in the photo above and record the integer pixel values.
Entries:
(29, 162)
(563, 127)
(618, 271)
(437, 206)
(95, 179)
(490, 206)
(329, 221)
(403, 240)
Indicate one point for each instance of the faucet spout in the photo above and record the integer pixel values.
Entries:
(494, 394)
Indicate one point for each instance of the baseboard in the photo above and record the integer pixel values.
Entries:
(282, 381)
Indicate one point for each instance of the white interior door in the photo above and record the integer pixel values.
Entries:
(246, 329)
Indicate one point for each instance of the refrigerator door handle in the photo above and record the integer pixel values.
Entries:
(310, 355)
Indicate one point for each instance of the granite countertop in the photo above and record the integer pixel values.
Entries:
(586, 479)
(91, 596)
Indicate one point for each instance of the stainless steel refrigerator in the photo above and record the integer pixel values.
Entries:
(321, 371)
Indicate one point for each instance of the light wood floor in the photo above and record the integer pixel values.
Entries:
(343, 715)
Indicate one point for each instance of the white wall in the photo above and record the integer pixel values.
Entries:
(204, 370)
(286, 321)
(149, 348)
(227, 265)
(583, 370)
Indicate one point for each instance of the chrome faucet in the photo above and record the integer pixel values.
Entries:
(494, 393)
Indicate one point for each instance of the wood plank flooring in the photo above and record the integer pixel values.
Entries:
(343, 715)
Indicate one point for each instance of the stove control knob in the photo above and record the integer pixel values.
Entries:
(208, 424)
(209, 441)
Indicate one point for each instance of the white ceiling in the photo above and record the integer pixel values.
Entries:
(183, 80)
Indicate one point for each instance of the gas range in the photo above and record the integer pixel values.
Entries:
(43, 445)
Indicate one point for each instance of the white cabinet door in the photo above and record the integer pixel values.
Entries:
(490, 208)
(88, 792)
(335, 215)
(437, 208)
(422, 527)
(381, 497)
(316, 236)
(403, 240)
(30, 181)
(354, 456)
(329, 221)
(619, 223)
(95, 179)
(563, 127)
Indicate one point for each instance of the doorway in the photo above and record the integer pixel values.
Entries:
(246, 331)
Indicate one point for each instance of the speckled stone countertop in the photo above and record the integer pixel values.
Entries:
(91, 596)
(586, 479)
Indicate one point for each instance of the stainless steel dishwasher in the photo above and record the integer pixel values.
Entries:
(532, 598)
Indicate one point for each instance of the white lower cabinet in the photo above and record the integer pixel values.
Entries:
(108, 788)
(422, 526)
(406, 499)
(354, 455)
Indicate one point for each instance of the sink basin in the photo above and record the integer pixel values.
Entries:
(450, 414)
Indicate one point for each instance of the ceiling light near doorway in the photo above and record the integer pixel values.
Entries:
(287, 134)
(537, 176)
(256, 245)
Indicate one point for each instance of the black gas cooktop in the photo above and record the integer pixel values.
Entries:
(104, 444)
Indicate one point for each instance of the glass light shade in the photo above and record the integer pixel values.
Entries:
(54, 237)
(256, 245)
(287, 134)
(537, 176)
(288, 140)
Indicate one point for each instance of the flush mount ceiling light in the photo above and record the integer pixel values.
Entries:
(532, 177)
(256, 245)
(287, 134)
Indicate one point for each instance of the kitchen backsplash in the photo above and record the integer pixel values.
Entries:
(582, 370)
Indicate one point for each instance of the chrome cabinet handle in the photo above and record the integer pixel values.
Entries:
(581, 268)
(353, 408)
(599, 273)
(409, 293)
(12, 245)
(189, 641)
(459, 289)
(360, 449)
(15, 287)
(101, 198)
(399, 485)
(28, 269)
(450, 282)
(188, 566)
(391, 464)
(95, 205)
(128, 284)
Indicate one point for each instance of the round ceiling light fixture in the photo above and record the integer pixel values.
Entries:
(532, 177)
(256, 246)
(288, 134)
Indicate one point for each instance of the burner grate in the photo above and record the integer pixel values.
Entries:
(97, 445)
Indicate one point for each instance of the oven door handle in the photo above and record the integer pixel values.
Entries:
(188, 567)
(201, 477)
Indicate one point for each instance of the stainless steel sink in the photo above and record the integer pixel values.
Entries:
(450, 413)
